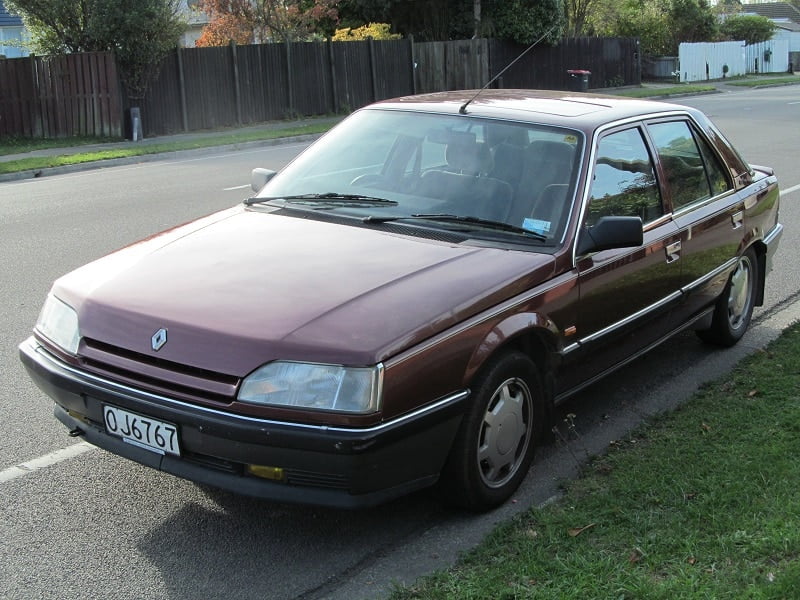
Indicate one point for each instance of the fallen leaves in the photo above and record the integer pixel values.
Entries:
(576, 531)
(636, 555)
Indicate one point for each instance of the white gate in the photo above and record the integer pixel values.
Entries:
(768, 57)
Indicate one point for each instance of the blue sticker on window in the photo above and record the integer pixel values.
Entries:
(536, 225)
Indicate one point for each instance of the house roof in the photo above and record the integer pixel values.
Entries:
(774, 10)
(787, 25)
(7, 19)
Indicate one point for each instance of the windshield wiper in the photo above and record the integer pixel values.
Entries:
(486, 223)
(327, 198)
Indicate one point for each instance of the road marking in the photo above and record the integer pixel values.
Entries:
(45, 461)
(788, 191)
(237, 187)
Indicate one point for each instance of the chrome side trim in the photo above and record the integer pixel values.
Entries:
(672, 297)
(571, 392)
(729, 264)
(111, 386)
(630, 318)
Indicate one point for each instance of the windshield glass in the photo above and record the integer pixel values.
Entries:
(430, 165)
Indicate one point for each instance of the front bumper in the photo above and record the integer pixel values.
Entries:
(321, 465)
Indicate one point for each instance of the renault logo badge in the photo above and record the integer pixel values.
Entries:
(159, 339)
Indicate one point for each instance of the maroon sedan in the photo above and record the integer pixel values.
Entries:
(407, 301)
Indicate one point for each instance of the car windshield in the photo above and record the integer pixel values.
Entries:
(384, 165)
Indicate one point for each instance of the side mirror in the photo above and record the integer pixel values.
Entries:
(609, 233)
(259, 178)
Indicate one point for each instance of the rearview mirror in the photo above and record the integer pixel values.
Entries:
(609, 233)
(259, 178)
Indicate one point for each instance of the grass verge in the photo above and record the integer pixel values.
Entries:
(666, 91)
(13, 145)
(43, 162)
(702, 503)
(789, 79)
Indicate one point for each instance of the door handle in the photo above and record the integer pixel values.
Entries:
(737, 219)
(673, 251)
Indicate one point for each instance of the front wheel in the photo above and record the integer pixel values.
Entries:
(494, 446)
(734, 308)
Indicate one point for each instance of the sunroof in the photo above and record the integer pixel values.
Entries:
(564, 107)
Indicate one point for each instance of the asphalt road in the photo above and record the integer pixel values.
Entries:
(98, 526)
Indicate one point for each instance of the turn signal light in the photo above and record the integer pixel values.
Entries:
(274, 473)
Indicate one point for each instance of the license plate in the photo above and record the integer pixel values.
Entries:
(145, 432)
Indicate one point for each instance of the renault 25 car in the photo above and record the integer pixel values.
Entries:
(407, 301)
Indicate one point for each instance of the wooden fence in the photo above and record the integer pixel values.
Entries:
(207, 88)
(60, 96)
(204, 88)
(613, 62)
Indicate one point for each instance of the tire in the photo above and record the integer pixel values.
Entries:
(734, 307)
(494, 447)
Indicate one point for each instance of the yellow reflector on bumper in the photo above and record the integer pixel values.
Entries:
(274, 473)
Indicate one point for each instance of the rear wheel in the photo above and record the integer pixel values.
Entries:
(495, 445)
(734, 308)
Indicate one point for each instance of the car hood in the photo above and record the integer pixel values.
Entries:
(243, 287)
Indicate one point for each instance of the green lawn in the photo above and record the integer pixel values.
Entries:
(701, 503)
(653, 92)
(33, 163)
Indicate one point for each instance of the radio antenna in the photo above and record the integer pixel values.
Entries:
(463, 109)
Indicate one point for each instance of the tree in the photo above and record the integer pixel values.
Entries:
(432, 20)
(525, 21)
(252, 21)
(577, 14)
(139, 32)
(727, 7)
(230, 21)
(692, 21)
(426, 20)
(660, 25)
(750, 28)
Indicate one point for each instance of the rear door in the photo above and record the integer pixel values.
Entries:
(707, 211)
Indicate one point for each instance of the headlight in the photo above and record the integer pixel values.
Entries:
(58, 322)
(323, 387)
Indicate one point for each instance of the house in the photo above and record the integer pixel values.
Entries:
(196, 19)
(787, 20)
(12, 34)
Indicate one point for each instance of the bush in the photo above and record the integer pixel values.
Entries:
(376, 31)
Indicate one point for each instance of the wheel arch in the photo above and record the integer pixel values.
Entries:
(760, 249)
(534, 335)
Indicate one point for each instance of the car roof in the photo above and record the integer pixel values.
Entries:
(572, 109)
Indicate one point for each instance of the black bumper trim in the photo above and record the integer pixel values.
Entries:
(374, 464)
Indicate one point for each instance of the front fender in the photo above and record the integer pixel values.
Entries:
(515, 327)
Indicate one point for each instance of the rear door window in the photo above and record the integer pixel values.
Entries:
(691, 169)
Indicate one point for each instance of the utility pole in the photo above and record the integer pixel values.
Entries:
(476, 12)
